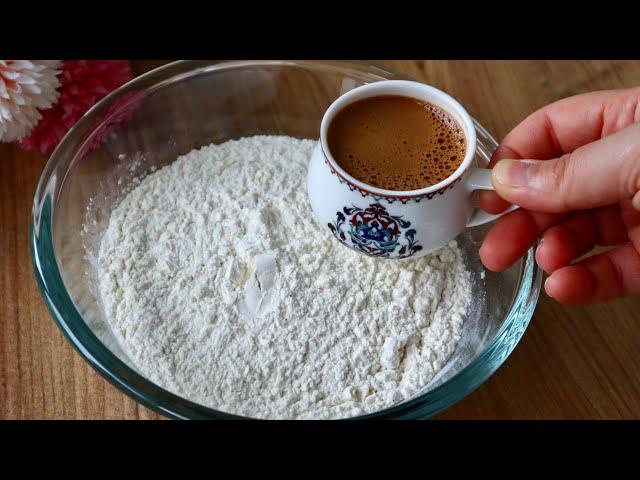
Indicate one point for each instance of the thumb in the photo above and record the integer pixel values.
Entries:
(597, 174)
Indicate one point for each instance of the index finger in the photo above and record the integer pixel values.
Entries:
(562, 127)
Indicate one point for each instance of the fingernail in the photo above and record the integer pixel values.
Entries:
(513, 173)
(546, 286)
(636, 201)
(540, 246)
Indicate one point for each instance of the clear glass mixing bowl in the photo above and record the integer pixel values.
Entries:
(151, 120)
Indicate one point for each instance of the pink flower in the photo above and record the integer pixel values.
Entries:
(116, 113)
(82, 84)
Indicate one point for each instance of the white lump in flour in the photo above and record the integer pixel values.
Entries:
(222, 288)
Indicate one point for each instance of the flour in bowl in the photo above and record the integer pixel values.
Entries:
(222, 288)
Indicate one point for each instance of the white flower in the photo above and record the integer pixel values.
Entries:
(26, 86)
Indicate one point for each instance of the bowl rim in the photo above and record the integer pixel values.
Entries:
(158, 399)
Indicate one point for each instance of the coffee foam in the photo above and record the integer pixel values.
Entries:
(396, 143)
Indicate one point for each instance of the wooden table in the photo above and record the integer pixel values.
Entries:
(571, 363)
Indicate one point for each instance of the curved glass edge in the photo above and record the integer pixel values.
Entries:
(79, 134)
(166, 403)
(70, 322)
(484, 365)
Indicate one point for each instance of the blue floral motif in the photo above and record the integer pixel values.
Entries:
(374, 232)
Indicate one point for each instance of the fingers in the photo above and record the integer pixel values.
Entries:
(567, 124)
(584, 173)
(607, 275)
(564, 237)
(571, 238)
(511, 237)
(608, 224)
(578, 234)
(491, 202)
(597, 174)
(488, 200)
(563, 126)
(636, 201)
(631, 219)
(599, 278)
(508, 240)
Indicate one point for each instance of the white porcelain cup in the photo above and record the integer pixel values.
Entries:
(396, 224)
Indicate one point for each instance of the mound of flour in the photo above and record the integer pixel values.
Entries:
(222, 288)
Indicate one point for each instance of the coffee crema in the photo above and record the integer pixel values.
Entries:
(396, 143)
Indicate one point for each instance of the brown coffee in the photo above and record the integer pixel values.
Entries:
(396, 143)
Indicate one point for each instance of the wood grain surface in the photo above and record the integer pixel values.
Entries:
(572, 363)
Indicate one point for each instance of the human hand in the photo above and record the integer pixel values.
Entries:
(578, 187)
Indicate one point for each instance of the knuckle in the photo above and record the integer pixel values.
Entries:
(560, 173)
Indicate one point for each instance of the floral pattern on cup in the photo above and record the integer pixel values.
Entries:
(374, 232)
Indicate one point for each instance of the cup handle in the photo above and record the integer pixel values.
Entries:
(480, 179)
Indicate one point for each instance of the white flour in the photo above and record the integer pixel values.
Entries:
(222, 288)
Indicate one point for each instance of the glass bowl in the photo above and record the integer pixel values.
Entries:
(169, 111)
